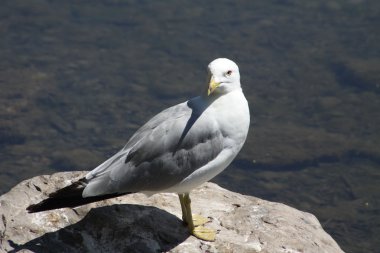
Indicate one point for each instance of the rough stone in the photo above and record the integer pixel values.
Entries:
(137, 223)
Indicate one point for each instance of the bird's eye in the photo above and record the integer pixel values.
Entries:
(229, 72)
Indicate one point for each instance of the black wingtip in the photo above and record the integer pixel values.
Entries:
(32, 209)
(55, 203)
(39, 207)
(69, 196)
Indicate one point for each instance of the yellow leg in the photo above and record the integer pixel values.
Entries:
(194, 222)
(198, 220)
(183, 208)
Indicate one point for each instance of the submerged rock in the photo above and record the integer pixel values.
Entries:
(136, 223)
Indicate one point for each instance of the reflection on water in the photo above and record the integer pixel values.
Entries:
(78, 78)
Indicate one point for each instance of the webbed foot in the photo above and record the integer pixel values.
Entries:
(199, 220)
(203, 233)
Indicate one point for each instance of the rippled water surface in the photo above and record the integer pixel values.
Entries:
(77, 78)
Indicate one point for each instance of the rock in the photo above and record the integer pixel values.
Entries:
(137, 223)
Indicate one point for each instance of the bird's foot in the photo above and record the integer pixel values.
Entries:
(204, 234)
(199, 220)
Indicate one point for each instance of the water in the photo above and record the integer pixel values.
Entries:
(78, 78)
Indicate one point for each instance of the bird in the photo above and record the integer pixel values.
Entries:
(176, 151)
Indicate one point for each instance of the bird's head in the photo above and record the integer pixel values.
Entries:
(223, 76)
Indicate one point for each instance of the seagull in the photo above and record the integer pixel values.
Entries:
(175, 151)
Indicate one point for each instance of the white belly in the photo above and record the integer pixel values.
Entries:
(235, 120)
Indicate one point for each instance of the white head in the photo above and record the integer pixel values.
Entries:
(224, 76)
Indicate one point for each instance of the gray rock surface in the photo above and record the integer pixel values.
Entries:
(137, 223)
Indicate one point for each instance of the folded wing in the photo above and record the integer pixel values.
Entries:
(174, 143)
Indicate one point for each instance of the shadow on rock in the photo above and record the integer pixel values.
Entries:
(117, 228)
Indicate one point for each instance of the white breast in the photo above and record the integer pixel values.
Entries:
(233, 118)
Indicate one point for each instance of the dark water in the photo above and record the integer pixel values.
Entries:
(78, 78)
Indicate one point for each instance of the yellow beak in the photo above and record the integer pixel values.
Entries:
(212, 86)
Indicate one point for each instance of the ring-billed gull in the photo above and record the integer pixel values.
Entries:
(175, 151)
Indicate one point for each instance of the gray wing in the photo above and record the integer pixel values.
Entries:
(163, 152)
